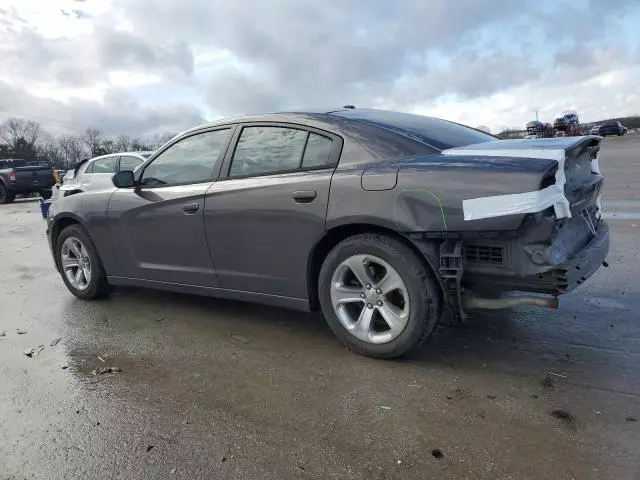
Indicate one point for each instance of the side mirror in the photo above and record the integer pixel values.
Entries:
(124, 179)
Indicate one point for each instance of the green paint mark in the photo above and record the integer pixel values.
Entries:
(424, 190)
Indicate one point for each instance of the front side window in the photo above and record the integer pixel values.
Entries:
(103, 165)
(129, 163)
(191, 160)
(266, 150)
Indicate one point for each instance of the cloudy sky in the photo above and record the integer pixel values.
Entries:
(148, 66)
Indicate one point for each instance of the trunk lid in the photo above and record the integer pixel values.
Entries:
(574, 187)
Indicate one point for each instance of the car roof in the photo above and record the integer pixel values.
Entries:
(118, 154)
(348, 118)
(289, 115)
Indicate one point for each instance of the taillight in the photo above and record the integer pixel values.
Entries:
(12, 176)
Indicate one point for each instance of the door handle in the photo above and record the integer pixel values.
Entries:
(190, 208)
(304, 196)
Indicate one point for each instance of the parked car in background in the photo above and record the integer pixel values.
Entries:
(377, 218)
(610, 127)
(19, 177)
(537, 129)
(96, 173)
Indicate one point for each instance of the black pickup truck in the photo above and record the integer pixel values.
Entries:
(18, 177)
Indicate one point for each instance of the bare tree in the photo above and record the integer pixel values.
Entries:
(48, 150)
(10, 131)
(122, 143)
(15, 131)
(108, 146)
(160, 139)
(92, 138)
(139, 144)
(72, 149)
(31, 133)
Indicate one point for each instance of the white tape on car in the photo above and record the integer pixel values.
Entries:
(517, 203)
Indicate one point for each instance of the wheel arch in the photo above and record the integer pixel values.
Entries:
(60, 224)
(339, 233)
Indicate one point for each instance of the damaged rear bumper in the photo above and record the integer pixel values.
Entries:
(550, 279)
(578, 269)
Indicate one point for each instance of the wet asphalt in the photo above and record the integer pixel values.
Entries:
(226, 390)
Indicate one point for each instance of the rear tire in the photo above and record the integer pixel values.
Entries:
(75, 251)
(5, 195)
(416, 305)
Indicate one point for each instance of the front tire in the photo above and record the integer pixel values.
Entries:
(378, 296)
(79, 264)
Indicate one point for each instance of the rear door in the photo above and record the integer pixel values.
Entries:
(98, 174)
(157, 227)
(268, 209)
(129, 162)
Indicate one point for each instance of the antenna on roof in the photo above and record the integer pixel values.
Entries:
(349, 106)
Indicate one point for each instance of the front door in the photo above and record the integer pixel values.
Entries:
(268, 210)
(157, 228)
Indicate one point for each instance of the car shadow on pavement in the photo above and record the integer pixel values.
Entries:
(130, 310)
(173, 333)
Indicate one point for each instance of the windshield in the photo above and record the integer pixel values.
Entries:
(438, 133)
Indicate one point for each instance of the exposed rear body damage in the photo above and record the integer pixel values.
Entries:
(546, 238)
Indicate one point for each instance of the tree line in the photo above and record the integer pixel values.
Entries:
(27, 140)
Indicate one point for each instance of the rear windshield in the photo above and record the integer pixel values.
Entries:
(438, 133)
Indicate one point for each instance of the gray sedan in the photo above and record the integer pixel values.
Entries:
(380, 219)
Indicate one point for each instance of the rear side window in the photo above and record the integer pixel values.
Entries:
(103, 165)
(263, 150)
(318, 151)
(129, 163)
(268, 150)
(12, 163)
(438, 133)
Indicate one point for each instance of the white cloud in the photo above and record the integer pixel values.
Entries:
(124, 78)
(610, 94)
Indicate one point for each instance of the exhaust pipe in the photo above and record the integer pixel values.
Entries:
(510, 301)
